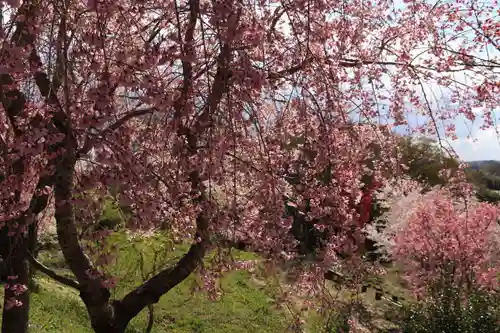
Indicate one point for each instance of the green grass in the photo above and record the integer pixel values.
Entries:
(248, 304)
(244, 306)
(56, 308)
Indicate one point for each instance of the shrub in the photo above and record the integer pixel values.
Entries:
(450, 312)
(437, 236)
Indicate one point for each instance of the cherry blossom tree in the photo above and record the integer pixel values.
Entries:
(447, 245)
(188, 113)
(441, 237)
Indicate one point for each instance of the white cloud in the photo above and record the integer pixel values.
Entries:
(483, 145)
(478, 110)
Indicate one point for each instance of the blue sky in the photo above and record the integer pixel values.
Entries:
(486, 146)
(473, 143)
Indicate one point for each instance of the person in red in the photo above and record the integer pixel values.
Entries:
(365, 204)
(365, 215)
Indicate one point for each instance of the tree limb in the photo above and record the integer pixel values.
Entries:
(50, 273)
(117, 124)
(348, 63)
(151, 317)
(151, 290)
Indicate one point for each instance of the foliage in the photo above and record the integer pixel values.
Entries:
(423, 161)
(426, 162)
(490, 167)
(448, 312)
(448, 246)
(311, 232)
(487, 195)
(458, 240)
(485, 176)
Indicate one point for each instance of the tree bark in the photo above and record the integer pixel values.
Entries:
(16, 319)
(15, 250)
(113, 316)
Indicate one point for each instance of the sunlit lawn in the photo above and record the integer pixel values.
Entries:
(243, 307)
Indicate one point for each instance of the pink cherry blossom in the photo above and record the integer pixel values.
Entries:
(439, 234)
(199, 117)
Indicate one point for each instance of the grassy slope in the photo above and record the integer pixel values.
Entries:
(244, 306)
(247, 305)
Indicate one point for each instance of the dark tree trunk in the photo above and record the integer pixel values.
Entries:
(14, 250)
(16, 319)
(108, 327)
(107, 318)
(114, 317)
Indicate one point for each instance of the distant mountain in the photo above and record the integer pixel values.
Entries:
(479, 163)
(491, 166)
(485, 175)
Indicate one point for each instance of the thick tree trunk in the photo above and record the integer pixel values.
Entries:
(16, 319)
(114, 317)
(108, 327)
(109, 317)
(16, 270)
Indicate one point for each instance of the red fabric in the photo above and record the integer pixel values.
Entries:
(366, 203)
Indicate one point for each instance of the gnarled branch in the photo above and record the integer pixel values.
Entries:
(50, 273)
(151, 291)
